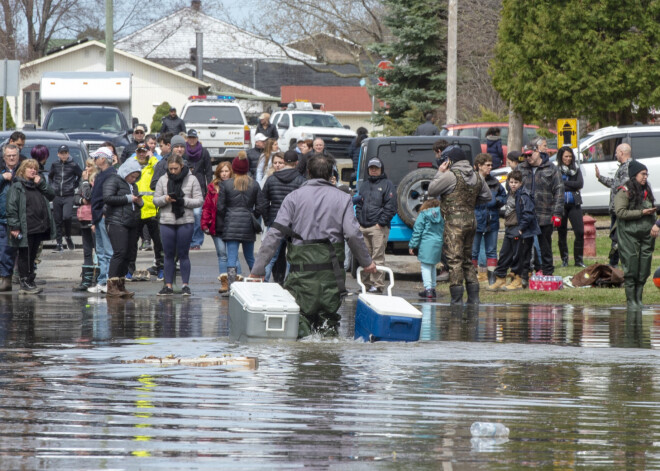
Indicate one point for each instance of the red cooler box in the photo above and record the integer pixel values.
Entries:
(389, 318)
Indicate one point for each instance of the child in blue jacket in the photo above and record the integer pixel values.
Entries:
(427, 237)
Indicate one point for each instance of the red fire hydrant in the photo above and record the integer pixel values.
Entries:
(589, 236)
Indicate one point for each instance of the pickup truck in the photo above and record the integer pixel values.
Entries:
(220, 124)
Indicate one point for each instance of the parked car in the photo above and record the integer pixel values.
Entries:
(410, 165)
(530, 131)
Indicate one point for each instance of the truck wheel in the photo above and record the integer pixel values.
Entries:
(412, 192)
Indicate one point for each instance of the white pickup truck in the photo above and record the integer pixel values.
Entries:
(220, 124)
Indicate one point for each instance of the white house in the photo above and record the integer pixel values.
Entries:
(152, 83)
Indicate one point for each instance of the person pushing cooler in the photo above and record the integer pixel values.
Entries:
(316, 218)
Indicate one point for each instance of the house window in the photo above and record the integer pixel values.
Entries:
(31, 105)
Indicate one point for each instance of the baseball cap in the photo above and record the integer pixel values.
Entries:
(291, 156)
(104, 152)
(63, 148)
(375, 162)
(192, 133)
(529, 150)
(264, 116)
(172, 108)
(260, 137)
(140, 127)
(142, 146)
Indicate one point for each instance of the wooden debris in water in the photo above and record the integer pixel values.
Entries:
(203, 360)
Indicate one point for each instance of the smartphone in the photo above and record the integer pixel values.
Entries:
(172, 195)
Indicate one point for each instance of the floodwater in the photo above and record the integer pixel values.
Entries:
(577, 387)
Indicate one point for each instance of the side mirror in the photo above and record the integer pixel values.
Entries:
(346, 126)
(348, 175)
(134, 123)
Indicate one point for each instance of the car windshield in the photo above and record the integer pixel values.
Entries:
(316, 120)
(213, 114)
(84, 119)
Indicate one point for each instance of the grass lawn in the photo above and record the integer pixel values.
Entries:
(575, 296)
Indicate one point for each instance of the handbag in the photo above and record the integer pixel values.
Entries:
(256, 225)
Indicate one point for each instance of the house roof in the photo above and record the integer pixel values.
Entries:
(268, 76)
(99, 44)
(334, 98)
(172, 37)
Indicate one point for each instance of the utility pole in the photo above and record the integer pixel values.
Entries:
(109, 37)
(452, 38)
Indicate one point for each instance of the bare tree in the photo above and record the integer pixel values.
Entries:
(8, 26)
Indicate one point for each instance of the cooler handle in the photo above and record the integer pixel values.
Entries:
(249, 279)
(269, 317)
(387, 270)
(407, 321)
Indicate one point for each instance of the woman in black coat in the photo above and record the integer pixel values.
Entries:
(573, 183)
(122, 206)
(240, 204)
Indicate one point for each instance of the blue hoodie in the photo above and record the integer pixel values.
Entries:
(428, 235)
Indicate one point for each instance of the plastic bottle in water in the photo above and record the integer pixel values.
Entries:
(489, 429)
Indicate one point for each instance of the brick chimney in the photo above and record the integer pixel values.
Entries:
(196, 5)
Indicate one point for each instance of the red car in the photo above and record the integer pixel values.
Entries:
(479, 130)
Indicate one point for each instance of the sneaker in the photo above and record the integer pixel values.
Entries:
(195, 247)
(185, 290)
(146, 246)
(69, 244)
(58, 248)
(373, 289)
(426, 294)
(129, 276)
(166, 291)
(97, 289)
(161, 276)
(153, 271)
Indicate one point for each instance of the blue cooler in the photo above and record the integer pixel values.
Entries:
(389, 318)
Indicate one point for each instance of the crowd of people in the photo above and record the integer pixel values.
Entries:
(164, 190)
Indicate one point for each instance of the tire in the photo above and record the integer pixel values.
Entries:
(412, 192)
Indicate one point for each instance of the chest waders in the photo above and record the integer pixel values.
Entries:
(460, 227)
(316, 280)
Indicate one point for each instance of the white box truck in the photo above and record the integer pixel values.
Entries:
(91, 106)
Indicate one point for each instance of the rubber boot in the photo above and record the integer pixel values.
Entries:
(491, 277)
(631, 297)
(472, 292)
(5, 284)
(456, 293)
(87, 278)
(122, 289)
(639, 291)
(113, 290)
(231, 277)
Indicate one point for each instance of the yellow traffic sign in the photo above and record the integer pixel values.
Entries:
(567, 132)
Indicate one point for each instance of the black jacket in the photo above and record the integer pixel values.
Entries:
(64, 177)
(277, 187)
(129, 150)
(377, 202)
(236, 208)
(174, 125)
(427, 129)
(253, 157)
(97, 193)
(270, 131)
(202, 169)
(117, 209)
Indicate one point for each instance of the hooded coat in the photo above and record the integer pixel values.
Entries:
(376, 203)
(237, 208)
(17, 209)
(64, 177)
(428, 235)
(118, 194)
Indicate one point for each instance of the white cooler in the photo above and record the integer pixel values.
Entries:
(262, 311)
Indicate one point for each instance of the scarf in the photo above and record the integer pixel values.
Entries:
(194, 153)
(175, 186)
(570, 171)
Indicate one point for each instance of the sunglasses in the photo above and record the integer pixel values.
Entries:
(138, 132)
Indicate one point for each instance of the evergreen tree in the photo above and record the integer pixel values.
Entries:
(162, 110)
(590, 58)
(418, 52)
(9, 120)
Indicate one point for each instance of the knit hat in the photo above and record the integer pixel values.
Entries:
(634, 167)
(240, 164)
(178, 141)
(455, 154)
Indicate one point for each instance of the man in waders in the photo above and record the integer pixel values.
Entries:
(316, 219)
(460, 189)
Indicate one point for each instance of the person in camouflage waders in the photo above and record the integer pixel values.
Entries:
(316, 219)
(460, 189)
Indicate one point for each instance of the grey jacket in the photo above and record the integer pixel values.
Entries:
(445, 182)
(316, 210)
(620, 178)
(193, 199)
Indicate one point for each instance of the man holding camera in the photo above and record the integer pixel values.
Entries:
(460, 189)
(543, 180)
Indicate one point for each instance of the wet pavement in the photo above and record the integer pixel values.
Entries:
(578, 387)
